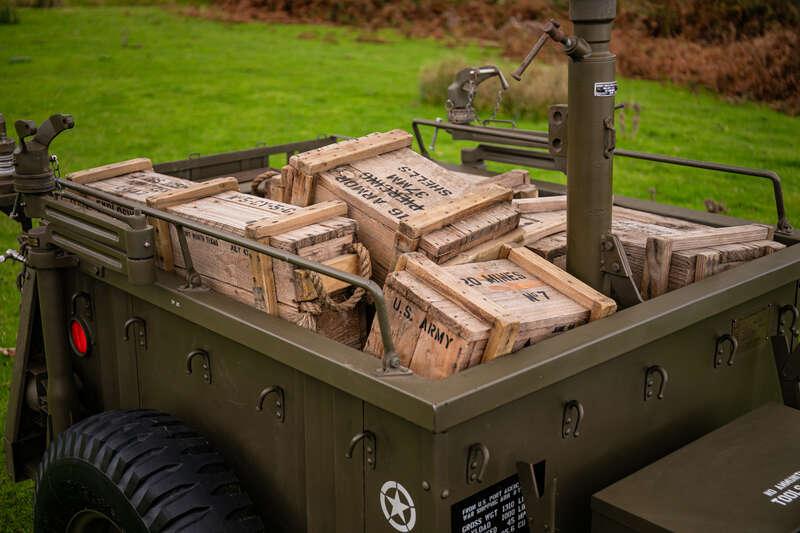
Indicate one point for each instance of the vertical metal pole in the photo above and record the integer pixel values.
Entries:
(61, 394)
(589, 162)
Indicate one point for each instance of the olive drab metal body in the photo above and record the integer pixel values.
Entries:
(326, 438)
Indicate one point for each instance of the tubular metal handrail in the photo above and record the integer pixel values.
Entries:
(539, 139)
(390, 359)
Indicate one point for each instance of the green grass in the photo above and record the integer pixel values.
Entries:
(141, 81)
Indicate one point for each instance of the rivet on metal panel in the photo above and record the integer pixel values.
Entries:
(279, 404)
(139, 328)
(370, 447)
(650, 380)
(719, 350)
(571, 420)
(477, 460)
(206, 359)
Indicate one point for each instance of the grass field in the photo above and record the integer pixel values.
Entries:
(146, 82)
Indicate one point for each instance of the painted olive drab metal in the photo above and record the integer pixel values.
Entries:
(390, 360)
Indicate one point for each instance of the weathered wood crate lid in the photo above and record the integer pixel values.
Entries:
(318, 232)
(404, 201)
(447, 318)
(697, 251)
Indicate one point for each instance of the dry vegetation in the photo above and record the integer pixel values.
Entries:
(543, 86)
(744, 49)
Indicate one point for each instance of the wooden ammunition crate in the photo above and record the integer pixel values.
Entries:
(403, 201)
(664, 253)
(448, 318)
(318, 232)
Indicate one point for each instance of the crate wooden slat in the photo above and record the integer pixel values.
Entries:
(448, 318)
(710, 253)
(403, 201)
(317, 233)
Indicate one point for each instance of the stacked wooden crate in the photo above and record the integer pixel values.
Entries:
(402, 201)
(319, 232)
(448, 318)
(665, 253)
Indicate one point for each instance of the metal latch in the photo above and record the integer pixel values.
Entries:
(477, 460)
(787, 356)
(206, 361)
(650, 381)
(719, 349)
(370, 447)
(571, 420)
(278, 404)
(139, 331)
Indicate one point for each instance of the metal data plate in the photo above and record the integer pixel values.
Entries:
(744, 476)
(753, 330)
(499, 508)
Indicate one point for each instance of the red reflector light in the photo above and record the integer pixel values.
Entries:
(78, 337)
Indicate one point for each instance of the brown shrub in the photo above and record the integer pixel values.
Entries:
(765, 68)
(739, 48)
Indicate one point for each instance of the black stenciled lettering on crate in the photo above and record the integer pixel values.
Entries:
(499, 508)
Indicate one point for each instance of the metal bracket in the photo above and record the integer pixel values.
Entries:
(787, 361)
(477, 460)
(81, 295)
(194, 282)
(617, 275)
(370, 447)
(791, 309)
(571, 419)
(609, 137)
(391, 366)
(650, 381)
(278, 405)
(719, 349)
(557, 135)
(139, 331)
(206, 360)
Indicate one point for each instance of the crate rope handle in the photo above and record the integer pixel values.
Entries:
(310, 310)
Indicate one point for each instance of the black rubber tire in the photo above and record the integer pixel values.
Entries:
(145, 471)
